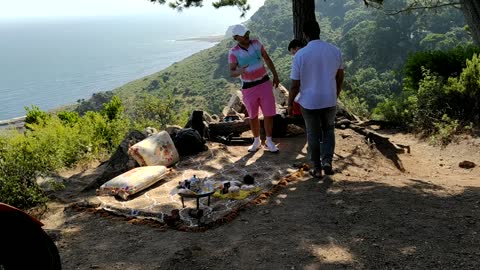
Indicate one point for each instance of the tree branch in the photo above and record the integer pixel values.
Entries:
(415, 5)
(181, 4)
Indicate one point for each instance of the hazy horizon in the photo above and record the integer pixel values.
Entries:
(86, 8)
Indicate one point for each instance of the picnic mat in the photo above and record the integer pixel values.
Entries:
(219, 163)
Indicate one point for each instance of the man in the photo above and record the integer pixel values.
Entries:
(317, 77)
(294, 46)
(245, 60)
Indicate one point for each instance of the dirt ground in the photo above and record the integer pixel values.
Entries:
(380, 210)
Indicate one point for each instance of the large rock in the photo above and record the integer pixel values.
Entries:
(235, 105)
(120, 161)
(281, 95)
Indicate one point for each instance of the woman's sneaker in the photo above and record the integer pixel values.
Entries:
(255, 146)
(271, 146)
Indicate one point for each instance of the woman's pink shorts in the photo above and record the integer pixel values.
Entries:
(259, 96)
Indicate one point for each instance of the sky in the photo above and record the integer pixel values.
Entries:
(61, 8)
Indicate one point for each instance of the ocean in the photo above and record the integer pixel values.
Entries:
(50, 62)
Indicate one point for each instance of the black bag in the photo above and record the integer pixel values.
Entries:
(188, 142)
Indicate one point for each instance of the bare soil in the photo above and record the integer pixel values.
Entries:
(380, 210)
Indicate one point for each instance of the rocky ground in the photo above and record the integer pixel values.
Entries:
(380, 210)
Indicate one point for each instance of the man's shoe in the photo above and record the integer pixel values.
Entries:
(271, 146)
(317, 173)
(327, 169)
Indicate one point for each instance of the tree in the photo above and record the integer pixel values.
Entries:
(303, 10)
(470, 10)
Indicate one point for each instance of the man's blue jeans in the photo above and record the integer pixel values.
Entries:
(320, 126)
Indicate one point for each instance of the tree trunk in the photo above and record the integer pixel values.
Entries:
(471, 11)
(303, 10)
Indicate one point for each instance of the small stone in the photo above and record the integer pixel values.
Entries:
(466, 164)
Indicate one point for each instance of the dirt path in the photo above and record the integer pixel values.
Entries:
(379, 211)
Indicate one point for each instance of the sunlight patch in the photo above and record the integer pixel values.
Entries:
(408, 250)
(332, 253)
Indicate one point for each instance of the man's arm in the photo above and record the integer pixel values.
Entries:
(294, 89)
(270, 65)
(339, 79)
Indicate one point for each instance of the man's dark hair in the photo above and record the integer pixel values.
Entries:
(311, 29)
(295, 44)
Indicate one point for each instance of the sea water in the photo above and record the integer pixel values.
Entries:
(50, 62)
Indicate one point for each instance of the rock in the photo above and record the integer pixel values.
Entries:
(120, 161)
(172, 130)
(236, 104)
(149, 131)
(281, 95)
(466, 164)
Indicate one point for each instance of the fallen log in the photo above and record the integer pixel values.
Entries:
(232, 128)
(379, 139)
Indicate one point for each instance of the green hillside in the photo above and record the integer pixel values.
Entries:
(375, 48)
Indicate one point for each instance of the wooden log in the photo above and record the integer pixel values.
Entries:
(234, 128)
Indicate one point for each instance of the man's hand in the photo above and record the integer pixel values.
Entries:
(276, 81)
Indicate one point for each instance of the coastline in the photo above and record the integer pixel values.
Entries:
(16, 122)
(212, 39)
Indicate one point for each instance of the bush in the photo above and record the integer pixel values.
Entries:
(153, 111)
(444, 64)
(52, 143)
(20, 165)
(445, 130)
(354, 104)
(35, 116)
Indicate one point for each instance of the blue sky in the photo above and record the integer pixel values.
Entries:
(55, 8)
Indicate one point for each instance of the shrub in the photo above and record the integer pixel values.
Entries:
(20, 165)
(445, 130)
(68, 118)
(35, 116)
(54, 142)
(444, 64)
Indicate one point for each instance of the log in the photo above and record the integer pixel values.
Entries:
(233, 128)
(379, 139)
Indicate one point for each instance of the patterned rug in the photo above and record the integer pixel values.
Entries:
(219, 163)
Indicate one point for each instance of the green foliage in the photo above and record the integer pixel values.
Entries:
(457, 36)
(95, 103)
(445, 130)
(35, 116)
(153, 111)
(442, 63)
(68, 118)
(400, 111)
(354, 104)
(432, 102)
(113, 109)
(470, 80)
(439, 107)
(20, 164)
(58, 141)
(371, 86)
